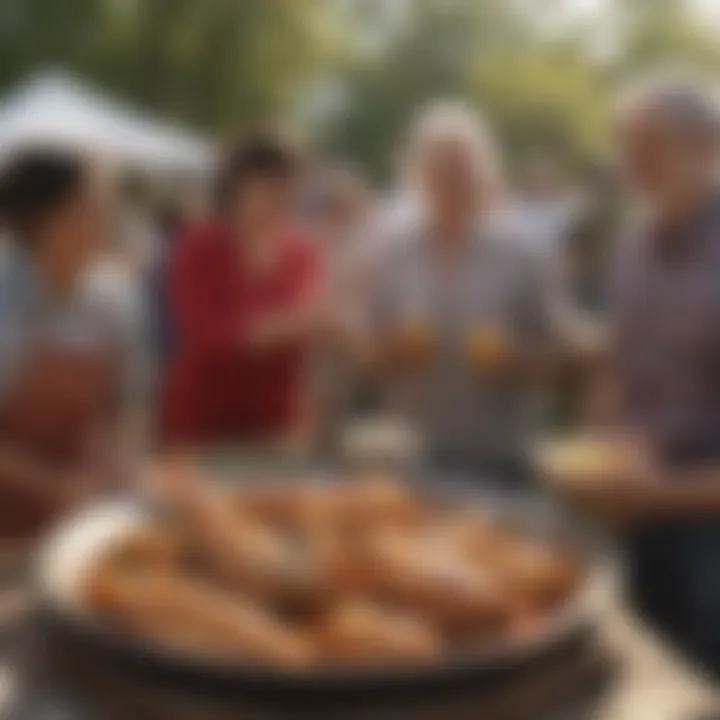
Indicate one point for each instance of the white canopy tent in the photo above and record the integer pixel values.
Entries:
(54, 109)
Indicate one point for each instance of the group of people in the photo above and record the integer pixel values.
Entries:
(287, 309)
(437, 305)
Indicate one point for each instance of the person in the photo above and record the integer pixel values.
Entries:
(545, 206)
(664, 370)
(339, 220)
(182, 206)
(242, 300)
(138, 238)
(65, 354)
(123, 262)
(591, 234)
(159, 326)
(462, 313)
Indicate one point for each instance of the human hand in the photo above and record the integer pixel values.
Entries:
(490, 350)
(627, 488)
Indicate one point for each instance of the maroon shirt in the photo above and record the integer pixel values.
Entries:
(219, 388)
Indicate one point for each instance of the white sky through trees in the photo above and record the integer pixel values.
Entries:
(709, 8)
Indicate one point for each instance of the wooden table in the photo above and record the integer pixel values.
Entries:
(655, 684)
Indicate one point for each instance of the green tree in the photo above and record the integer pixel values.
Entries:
(216, 63)
(490, 52)
(663, 32)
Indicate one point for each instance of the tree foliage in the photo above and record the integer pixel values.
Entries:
(214, 63)
(543, 83)
(221, 64)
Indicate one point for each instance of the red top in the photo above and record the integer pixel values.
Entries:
(218, 387)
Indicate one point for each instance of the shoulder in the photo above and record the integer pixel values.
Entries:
(396, 243)
(16, 293)
(631, 247)
(509, 241)
(527, 267)
(15, 326)
(8, 280)
(16, 283)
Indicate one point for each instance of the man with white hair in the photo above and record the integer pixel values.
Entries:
(665, 363)
(461, 310)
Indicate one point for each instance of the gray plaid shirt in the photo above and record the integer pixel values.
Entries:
(667, 348)
(498, 281)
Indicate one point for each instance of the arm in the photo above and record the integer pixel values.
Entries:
(688, 493)
(679, 495)
(306, 312)
(374, 352)
(641, 487)
(562, 336)
(21, 472)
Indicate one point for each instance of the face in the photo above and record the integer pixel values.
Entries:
(263, 203)
(450, 179)
(660, 161)
(73, 234)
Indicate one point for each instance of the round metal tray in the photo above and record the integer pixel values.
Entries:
(76, 544)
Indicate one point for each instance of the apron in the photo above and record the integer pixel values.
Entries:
(61, 398)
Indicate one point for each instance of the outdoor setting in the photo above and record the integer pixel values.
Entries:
(360, 359)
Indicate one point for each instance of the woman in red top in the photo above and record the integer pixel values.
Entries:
(241, 298)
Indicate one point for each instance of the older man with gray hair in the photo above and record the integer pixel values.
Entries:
(666, 362)
(463, 315)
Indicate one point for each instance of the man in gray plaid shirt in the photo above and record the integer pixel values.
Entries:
(665, 363)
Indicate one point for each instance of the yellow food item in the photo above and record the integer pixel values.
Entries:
(458, 597)
(176, 609)
(361, 632)
(536, 573)
(487, 348)
(293, 574)
(580, 460)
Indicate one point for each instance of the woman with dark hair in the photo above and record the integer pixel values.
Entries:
(241, 292)
(62, 347)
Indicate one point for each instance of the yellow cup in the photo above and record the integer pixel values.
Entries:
(487, 347)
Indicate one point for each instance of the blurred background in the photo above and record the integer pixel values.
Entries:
(351, 72)
(160, 89)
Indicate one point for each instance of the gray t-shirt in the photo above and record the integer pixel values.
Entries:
(91, 318)
(496, 281)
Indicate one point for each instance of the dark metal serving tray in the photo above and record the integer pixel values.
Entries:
(72, 548)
